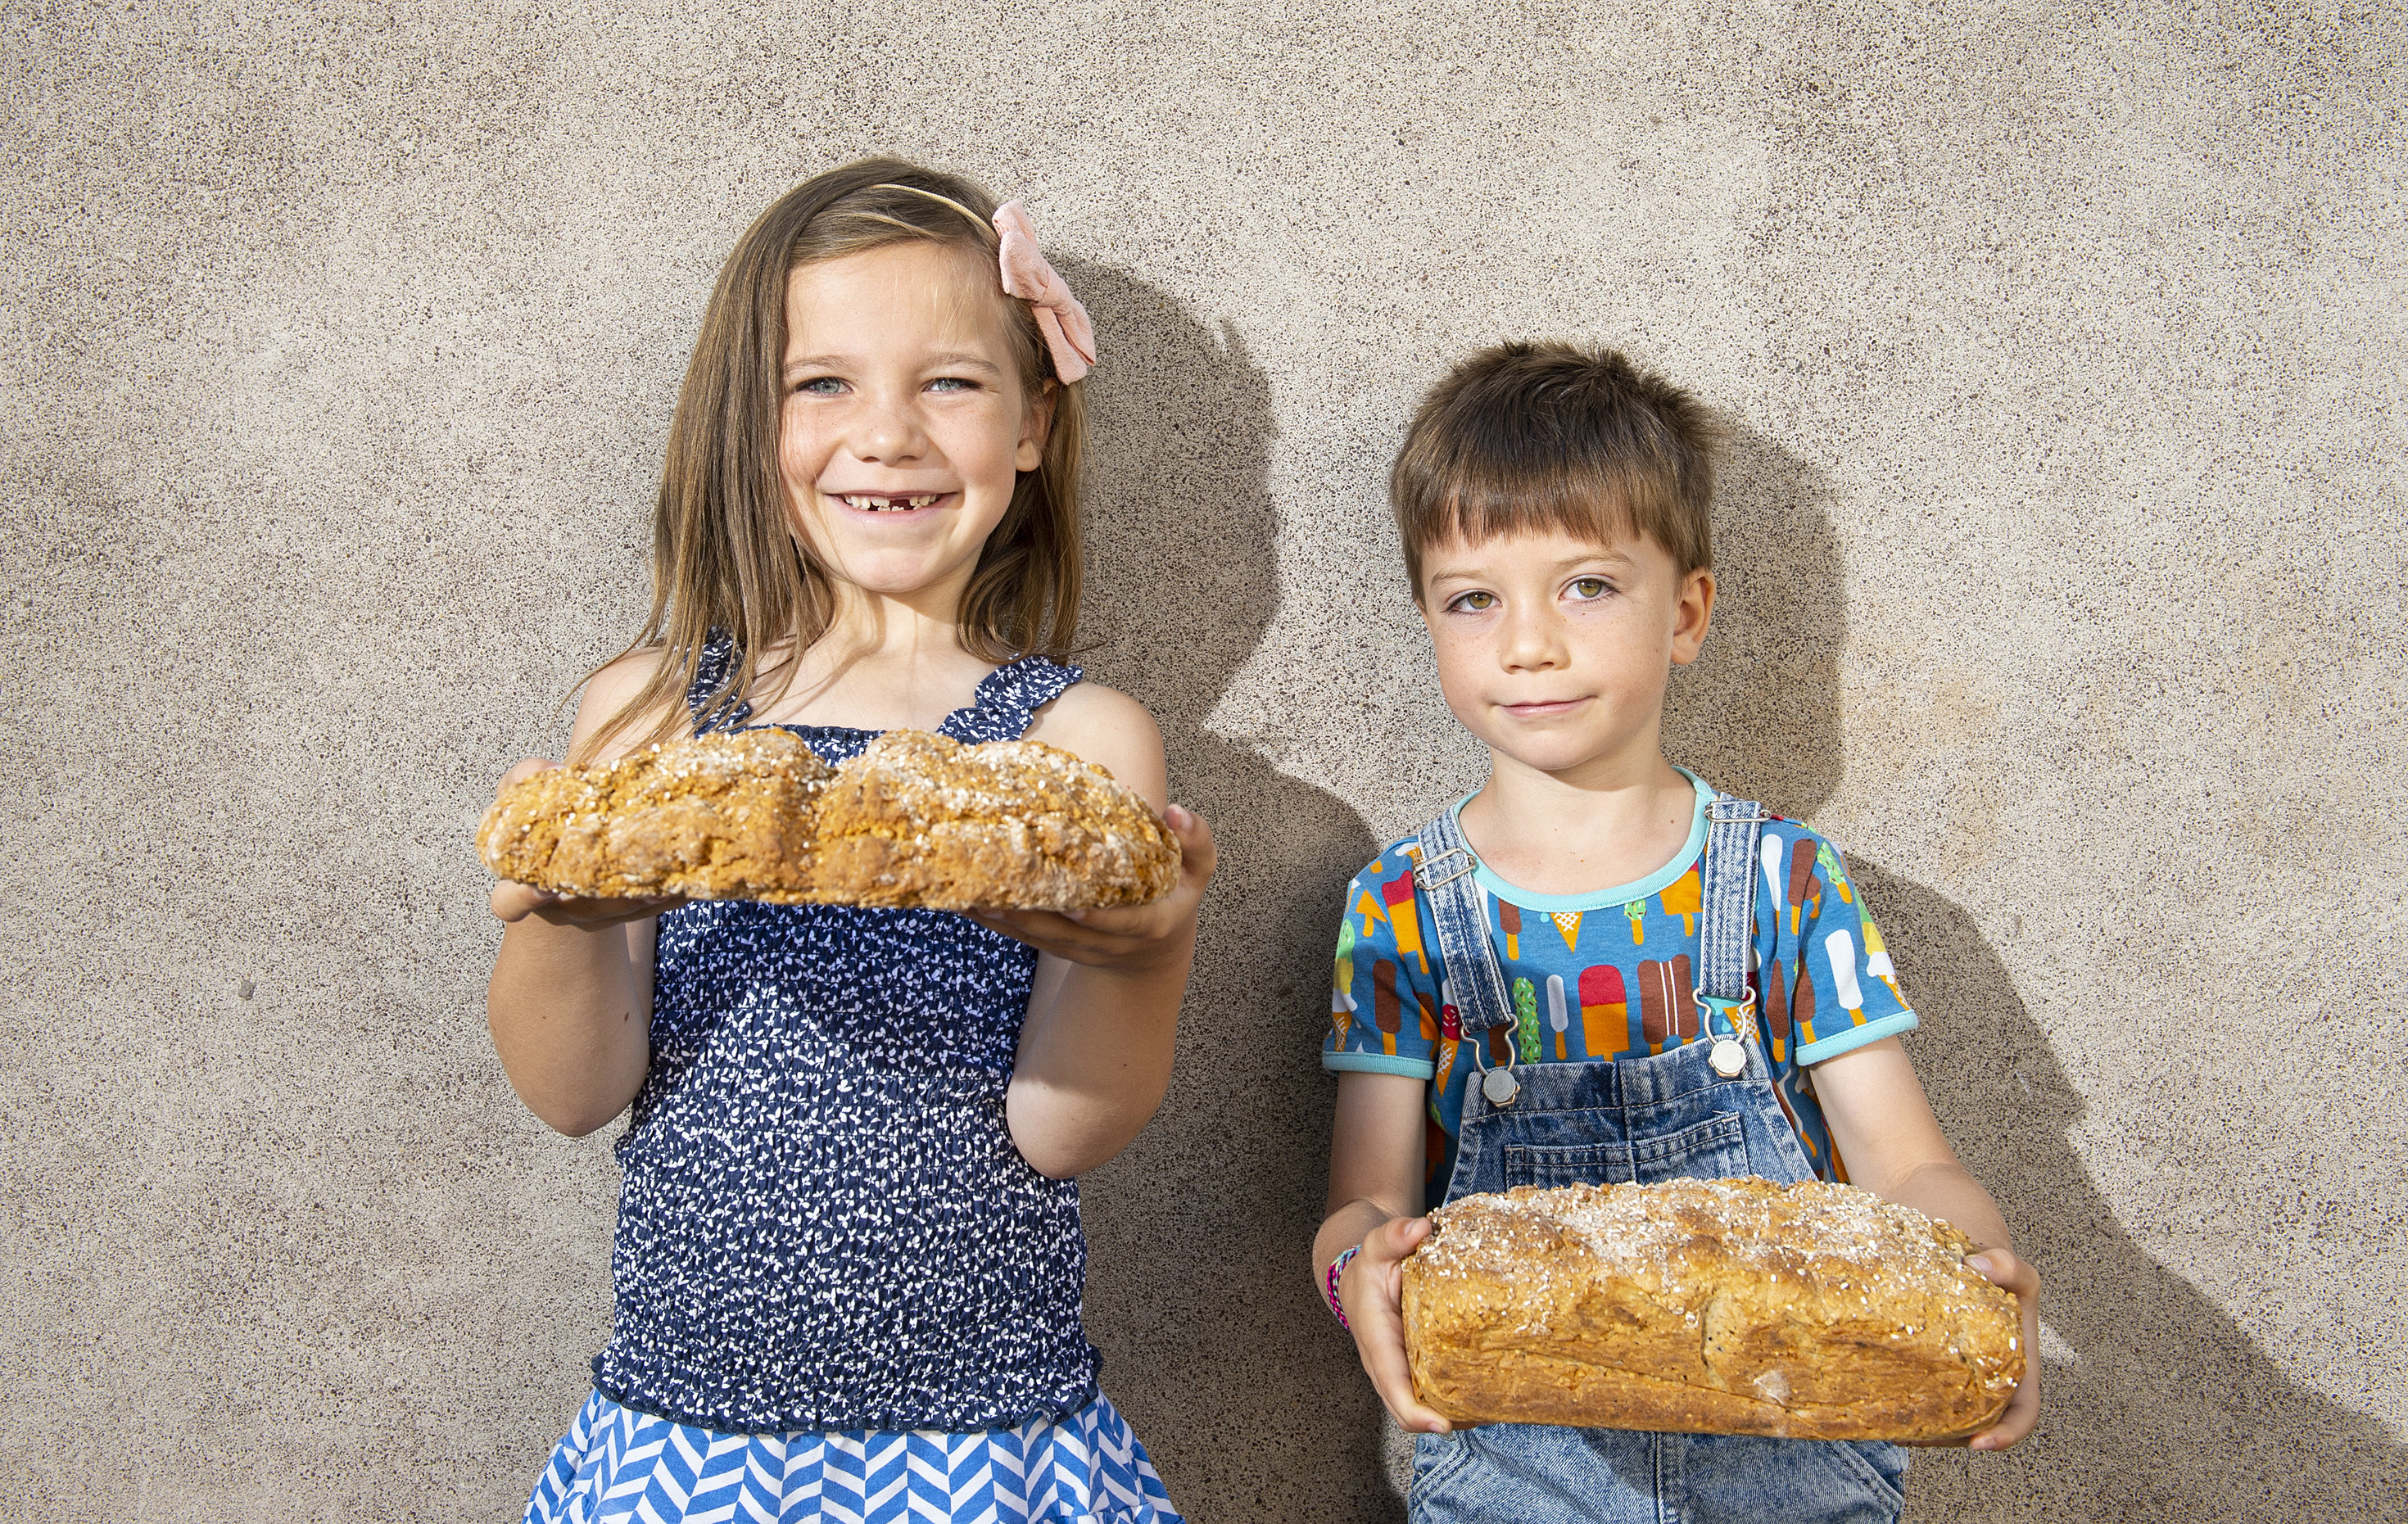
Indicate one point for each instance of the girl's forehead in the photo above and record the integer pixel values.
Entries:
(905, 294)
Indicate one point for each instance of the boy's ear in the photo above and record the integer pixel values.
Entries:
(1035, 428)
(1695, 612)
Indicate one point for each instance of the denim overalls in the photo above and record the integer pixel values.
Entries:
(1704, 1109)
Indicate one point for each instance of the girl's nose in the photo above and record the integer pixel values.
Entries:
(890, 435)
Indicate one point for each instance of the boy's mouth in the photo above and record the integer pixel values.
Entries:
(889, 502)
(1542, 710)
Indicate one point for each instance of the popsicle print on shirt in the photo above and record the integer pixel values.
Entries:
(1842, 949)
(1667, 1005)
(1605, 1012)
(1388, 1011)
(1684, 897)
(1801, 880)
(1403, 922)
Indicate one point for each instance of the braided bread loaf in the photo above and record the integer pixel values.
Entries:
(915, 820)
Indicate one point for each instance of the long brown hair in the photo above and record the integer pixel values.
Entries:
(726, 557)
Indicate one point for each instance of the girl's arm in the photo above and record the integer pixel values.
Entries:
(1375, 1200)
(1884, 1127)
(571, 998)
(1094, 1053)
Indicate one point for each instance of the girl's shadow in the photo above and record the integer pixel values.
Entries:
(2157, 1404)
(1200, 1292)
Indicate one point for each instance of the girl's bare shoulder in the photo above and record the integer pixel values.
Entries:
(611, 690)
(1111, 730)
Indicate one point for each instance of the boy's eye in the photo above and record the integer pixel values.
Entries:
(1588, 588)
(1473, 603)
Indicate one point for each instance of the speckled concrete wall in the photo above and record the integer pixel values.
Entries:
(2063, 585)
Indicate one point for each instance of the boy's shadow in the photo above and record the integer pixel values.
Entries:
(1244, 1387)
(2166, 1409)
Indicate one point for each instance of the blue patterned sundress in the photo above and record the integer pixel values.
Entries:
(839, 1290)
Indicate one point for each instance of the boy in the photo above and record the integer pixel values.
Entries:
(1554, 507)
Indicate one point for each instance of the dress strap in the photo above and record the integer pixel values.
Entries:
(718, 656)
(1008, 699)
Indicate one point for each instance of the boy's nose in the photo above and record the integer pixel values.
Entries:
(1532, 643)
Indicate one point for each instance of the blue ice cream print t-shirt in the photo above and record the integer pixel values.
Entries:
(1611, 974)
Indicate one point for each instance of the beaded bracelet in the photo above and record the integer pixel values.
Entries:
(1329, 1288)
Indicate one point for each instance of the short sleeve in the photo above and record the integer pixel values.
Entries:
(1383, 1012)
(1827, 985)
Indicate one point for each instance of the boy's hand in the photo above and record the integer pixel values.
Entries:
(2010, 1273)
(515, 901)
(1372, 1292)
(1132, 938)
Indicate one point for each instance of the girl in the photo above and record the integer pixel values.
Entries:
(849, 1261)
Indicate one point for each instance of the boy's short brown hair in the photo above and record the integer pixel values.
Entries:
(1525, 437)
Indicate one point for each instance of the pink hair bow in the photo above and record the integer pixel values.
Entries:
(1025, 275)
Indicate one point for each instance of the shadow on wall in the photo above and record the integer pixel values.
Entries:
(1200, 1295)
(2168, 1410)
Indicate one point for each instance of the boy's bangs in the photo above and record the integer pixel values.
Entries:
(1583, 509)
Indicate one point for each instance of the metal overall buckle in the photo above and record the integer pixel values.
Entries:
(1421, 869)
(1729, 1056)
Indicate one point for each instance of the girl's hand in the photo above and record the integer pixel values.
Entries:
(2010, 1273)
(514, 902)
(1371, 1290)
(1135, 939)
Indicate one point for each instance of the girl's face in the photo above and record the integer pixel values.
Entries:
(904, 424)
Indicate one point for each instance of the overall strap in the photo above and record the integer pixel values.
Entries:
(1460, 917)
(1727, 913)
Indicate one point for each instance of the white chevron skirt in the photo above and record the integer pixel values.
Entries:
(617, 1466)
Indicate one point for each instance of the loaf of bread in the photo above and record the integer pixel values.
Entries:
(1708, 1306)
(718, 816)
(923, 819)
(915, 820)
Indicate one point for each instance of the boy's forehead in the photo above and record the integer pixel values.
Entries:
(1456, 554)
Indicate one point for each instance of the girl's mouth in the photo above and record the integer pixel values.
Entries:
(889, 502)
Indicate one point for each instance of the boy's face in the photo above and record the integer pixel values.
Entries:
(1554, 649)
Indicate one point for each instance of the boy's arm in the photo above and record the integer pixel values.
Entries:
(1884, 1127)
(1375, 1200)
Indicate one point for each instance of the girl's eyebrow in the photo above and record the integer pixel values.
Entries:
(935, 362)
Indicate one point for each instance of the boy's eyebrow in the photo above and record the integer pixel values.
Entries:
(1561, 564)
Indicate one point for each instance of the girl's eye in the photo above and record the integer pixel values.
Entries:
(951, 383)
(1588, 589)
(1473, 603)
(820, 386)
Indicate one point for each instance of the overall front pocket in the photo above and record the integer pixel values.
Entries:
(1713, 1150)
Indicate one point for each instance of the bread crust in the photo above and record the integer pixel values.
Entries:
(915, 820)
(1708, 1306)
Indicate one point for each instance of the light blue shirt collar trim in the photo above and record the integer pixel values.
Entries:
(1622, 895)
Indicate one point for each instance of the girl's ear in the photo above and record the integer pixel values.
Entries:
(1034, 426)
